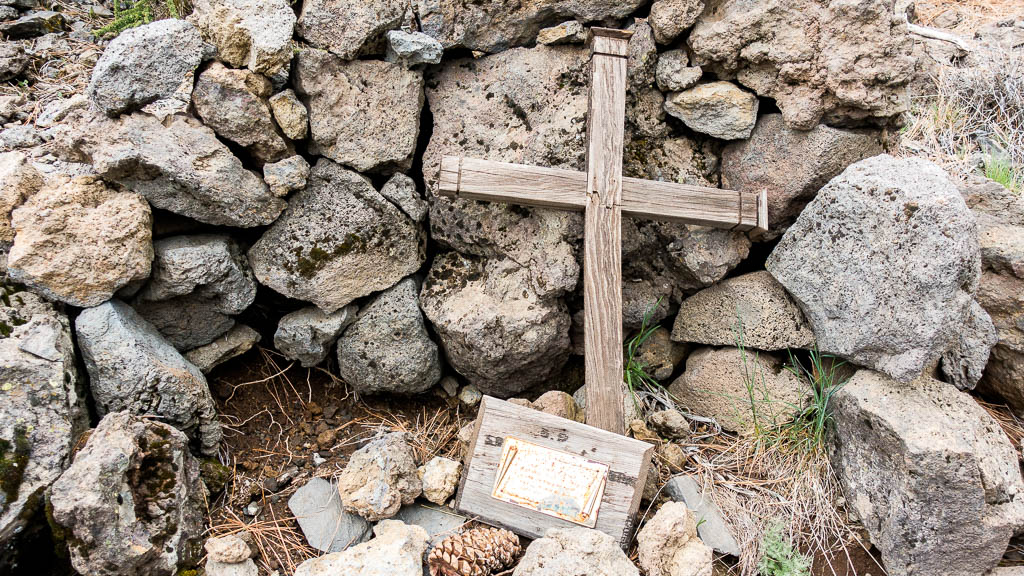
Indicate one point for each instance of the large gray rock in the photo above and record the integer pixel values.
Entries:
(145, 64)
(328, 528)
(837, 62)
(964, 363)
(495, 329)
(181, 167)
(497, 26)
(307, 334)
(364, 114)
(256, 34)
(792, 165)
(574, 551)
(713, 529)
(132, 368)
(207, 266)
(198, 282)
(42, 410)
(388, 349)
(350, 28)
(736, 386)
(133, 501)
(380, 478)
(668, 544)
(80, 241)
(395, 550)
(674, 73)
(928, 472)
(753, 309)
(338, 240)
(1000, 214)
(718, 109)
(670, 18)
(234, 103)
(884, 264)
(413, 48)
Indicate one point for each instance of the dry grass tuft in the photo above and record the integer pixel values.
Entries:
(974, 123)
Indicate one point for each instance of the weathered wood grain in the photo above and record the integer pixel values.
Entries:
(566, 189)
(628, 461)
(610, 42)
(602, 239)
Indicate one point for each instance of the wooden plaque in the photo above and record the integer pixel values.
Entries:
(528, 471)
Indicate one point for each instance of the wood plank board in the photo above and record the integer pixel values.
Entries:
(475, 179)
(628, 461)
(602, 240)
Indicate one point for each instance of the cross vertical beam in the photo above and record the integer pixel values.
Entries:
(602, 241)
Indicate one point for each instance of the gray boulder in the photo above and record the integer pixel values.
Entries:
(753, 309)
(792, 165)
(400, 190)
(884, 263)
(256, 34)
(364, 114)
(572, 551)
(307, 334)
(642, 56)
(670, 18)
(233, 343)
(328, 528)
(497, 26)
(495, 329)
(181, 167)
(145, 64)
(380, 478)
(207, 266)
(718, 109)
(413, 48)
(840, 64)
(80, 241)
(388, 349)
(198, 282)
(13, 60)
(440, 522)
(133, 501)
(964, 363)
(1000, 214)
(34, 24)
(350, 28)
(674, 73)
(286, 176)
(42, 408)
(133, 368)
(744, 391)
(338, 240)
(395, 550)
(234, 103)
(928, 472)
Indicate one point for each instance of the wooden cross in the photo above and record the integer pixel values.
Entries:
(604, 195)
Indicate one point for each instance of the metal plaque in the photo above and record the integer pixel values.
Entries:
(549, 481)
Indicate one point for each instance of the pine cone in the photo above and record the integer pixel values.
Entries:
(477, 552)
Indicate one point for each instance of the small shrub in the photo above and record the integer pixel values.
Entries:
(779, 558)
(998, 168)
(139, 13)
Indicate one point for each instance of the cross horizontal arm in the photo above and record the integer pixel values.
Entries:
(475, 179)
